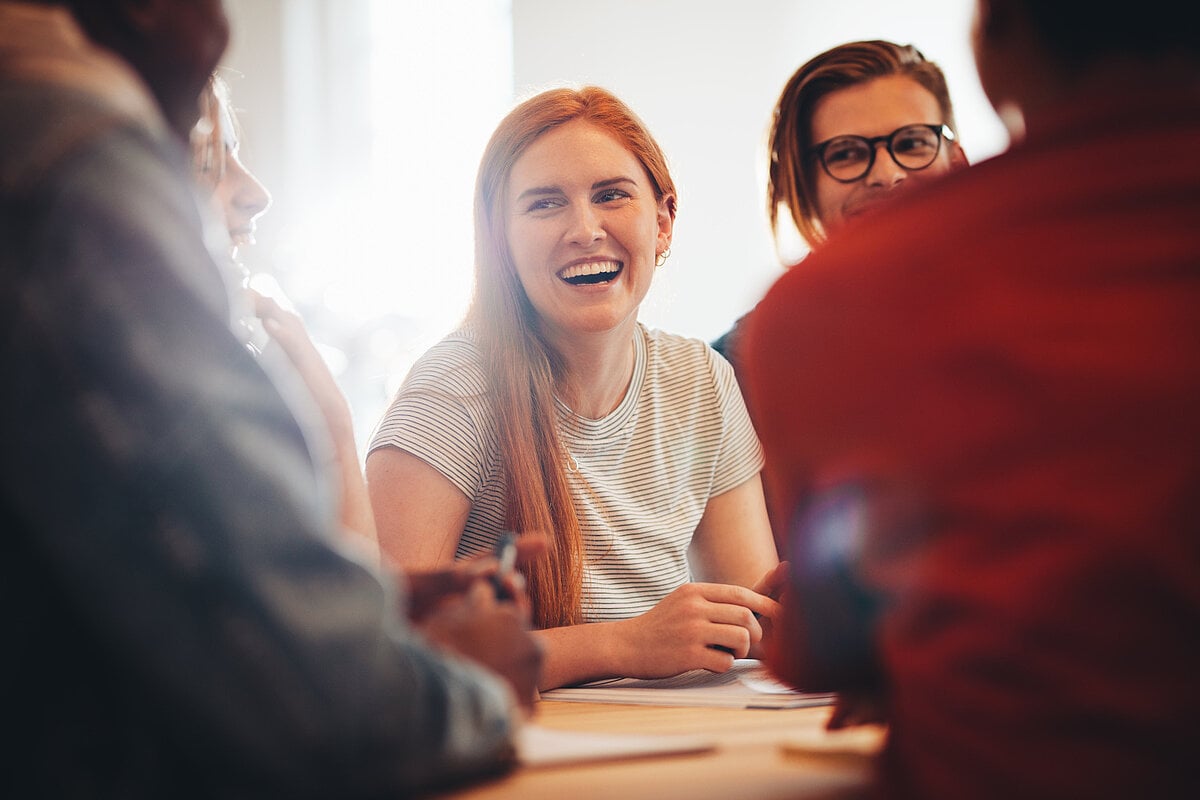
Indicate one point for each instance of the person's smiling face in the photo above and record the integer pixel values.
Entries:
(583, 229)
(875, 108)
(239, 195)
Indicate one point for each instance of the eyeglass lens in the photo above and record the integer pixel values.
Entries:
(848, 158)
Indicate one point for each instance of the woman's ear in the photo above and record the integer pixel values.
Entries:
(666, 222)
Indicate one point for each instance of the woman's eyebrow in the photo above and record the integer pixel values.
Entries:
(612, 182)
(539, 190)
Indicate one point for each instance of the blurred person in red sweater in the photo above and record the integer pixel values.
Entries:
(979, 415)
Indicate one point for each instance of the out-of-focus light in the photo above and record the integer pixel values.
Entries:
(268, 286)
(334, 358)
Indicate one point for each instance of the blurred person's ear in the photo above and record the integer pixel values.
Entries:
(1005, 59)
(958, 157)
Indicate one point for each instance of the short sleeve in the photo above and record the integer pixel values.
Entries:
(442, 416)
(741, 454)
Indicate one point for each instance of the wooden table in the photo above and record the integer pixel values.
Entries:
(749, 762)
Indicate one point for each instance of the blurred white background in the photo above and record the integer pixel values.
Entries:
(366, 119)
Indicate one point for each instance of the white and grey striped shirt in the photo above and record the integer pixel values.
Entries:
(641, 476)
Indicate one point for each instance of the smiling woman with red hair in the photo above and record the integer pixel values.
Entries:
(553, 409)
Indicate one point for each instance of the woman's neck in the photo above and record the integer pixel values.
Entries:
(599, 369)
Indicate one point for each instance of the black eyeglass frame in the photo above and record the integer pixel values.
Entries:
(942, 131)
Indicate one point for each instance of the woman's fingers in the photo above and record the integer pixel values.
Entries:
(728, 594)
(697, 626)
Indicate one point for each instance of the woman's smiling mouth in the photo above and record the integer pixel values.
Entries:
(590, 272)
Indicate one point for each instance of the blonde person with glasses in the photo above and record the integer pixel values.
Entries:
(854, 127)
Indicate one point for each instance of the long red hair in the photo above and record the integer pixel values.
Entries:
(522, 366)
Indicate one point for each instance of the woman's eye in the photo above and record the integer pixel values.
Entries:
(544, 203)
(608, 195)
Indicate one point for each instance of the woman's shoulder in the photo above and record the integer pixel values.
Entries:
(678, 351)
(453, 364)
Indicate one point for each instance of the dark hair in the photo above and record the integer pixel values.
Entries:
(1080, 32)
(790, 178)
(174, 61)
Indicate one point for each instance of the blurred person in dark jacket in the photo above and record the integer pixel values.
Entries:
(187, 619)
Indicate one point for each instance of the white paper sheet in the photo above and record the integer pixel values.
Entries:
(746, 685)
(538, 746)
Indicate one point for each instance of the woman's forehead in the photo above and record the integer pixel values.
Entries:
(577, 151)
(228, 129)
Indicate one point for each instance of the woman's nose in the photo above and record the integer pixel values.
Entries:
(250, 196)
(585, 224)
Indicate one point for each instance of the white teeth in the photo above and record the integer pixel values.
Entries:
(591, 268)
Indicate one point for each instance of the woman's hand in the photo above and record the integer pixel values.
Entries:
(697, 626)
(287, 331)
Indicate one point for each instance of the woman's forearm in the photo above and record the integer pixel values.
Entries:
(580, 653)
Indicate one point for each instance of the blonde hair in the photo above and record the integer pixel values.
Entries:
(208, 137)
(523, 367)
(791, 173)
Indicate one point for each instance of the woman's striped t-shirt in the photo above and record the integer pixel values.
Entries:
(641, 476)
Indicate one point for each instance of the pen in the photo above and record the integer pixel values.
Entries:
(506, 555)
(729, 650)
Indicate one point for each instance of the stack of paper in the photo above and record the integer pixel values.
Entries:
(746, 685)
